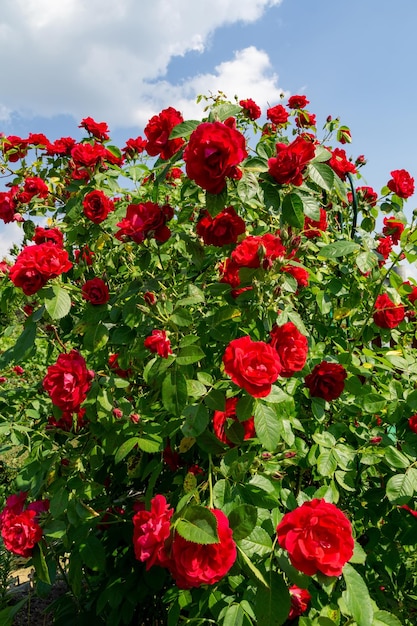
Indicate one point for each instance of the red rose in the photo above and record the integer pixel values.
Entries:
(149, 297)
(33, 186)
(84, 255)
(150, 531)
(367, 194)
(291, 160)
(412, 295)
(393, 228)
(95, 291)
(61, 147)
(193, 564)
(327, 381)
(291, 346)
(257, 250)
(134, 147)
(220, 422)
(35, 265)
(159, 343)
(297, 102)
(340, 163)
(250, 109)
(412, 422)
(212, 154)
(401, 183)
(20, 533)
(53, 235)
(299, 601)
(252, 365)
(68, 381)
(229, 272)
(158, 130)
(100, 130)
(222, 229)
(314, 228)
(278, 115)
(300, 274)
(317, 537)
(143, 220)
(87, 154)
(14, 148)
(97, 206)
(7, 206)
(387, 314)
(384, 248)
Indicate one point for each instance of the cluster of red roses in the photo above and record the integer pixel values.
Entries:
(19, 524)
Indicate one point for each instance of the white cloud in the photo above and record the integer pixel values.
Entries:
(108, 59)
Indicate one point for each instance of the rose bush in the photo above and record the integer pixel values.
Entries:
(208, 373)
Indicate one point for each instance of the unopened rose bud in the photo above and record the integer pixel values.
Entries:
(118, 413)
(135, 418)
(375, 440)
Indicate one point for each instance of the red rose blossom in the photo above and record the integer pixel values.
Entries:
(300, 274)
(299, 601)
(393, 228)
(304, 119)
(53, 235)
(297, 102)
(97, 206)
(35, 265)
(250, 109)
(95, 291)
(384, 248)
(340, 163)
(158, 130)
(291, 346)
(327, 381)
(150, 531)
(100, 130)
(367, 194)
(401, 183)
(291, 160)
(317, 537)
(113, 363)
(68, 381)
(412, 422)
(193, 564)
(33, 186)
(159, 343)
(14, 148)
(145, 220)
(221, 230)
(387, 314)
(252, 365)
(277, 114)
(314, 228)
(213, 152)
(8, 205)
(222, 418)
(20, 533)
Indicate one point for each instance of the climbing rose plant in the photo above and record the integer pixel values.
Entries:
(208, 368)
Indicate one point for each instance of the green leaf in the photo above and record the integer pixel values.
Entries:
(356, 597)
(184, 129)
(40, 565)
(293, 210)
(245, 408)
(322, 175)
(311, 207)
(150, 444)
(234, 615)
(199, 525)
(22, 347)
(174, 392)
(222, 111)
(267, 425)
(196, 420)
(257, 574)
(125, 448)
(92, 554)
(258, 543)
(7, 614)
(384, 618)
(216, 202)
(395, 458)
(373, 403)
(338, 249)
(399, 489)
(96, 337)
(366, 261)
(57, 302)
(359, 554)
(272, 605)
(190, 354)
(181, 317)
(326, 463)
(242, 520)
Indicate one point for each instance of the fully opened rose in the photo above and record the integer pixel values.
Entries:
(252, 365)
(68, 381)
(327, 381)
(318, 538)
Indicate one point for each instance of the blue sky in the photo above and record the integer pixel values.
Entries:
(121, 62)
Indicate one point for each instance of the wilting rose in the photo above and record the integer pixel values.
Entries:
(291, 346)
(221, 230)
(145, 220)
(387, 314)
(317, 537)
(97, 206)
(291, 160)
(401, 183)
(150, 531)
(95, 291)
(252, 365)
(222, 418)
(367, 194)
(193, 564)
(327, 381)
(68, 381)
(213, 153)
(304, 119)
(159, 343)
(158, 130)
